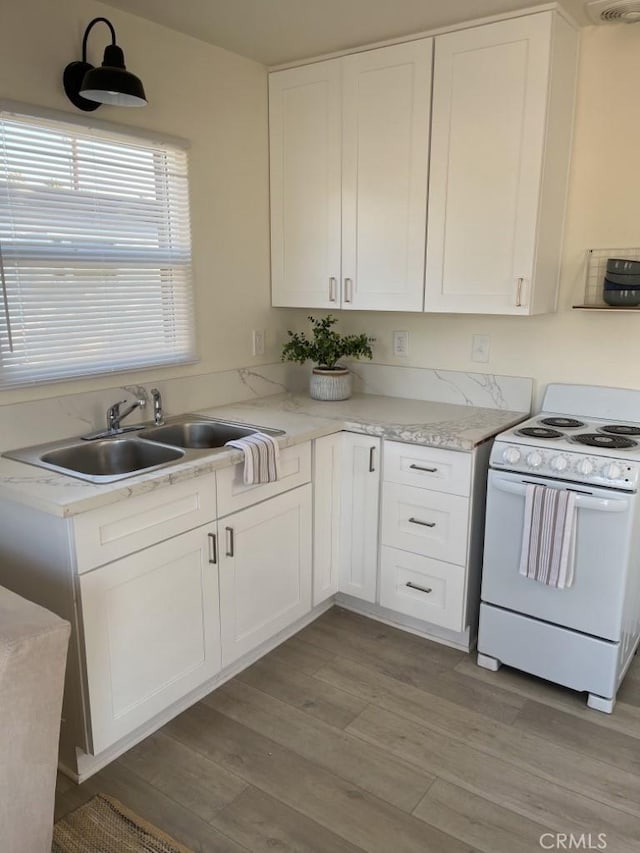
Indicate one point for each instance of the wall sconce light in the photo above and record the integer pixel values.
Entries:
(88, 87)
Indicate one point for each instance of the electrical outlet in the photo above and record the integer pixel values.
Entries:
(258, 341)
(401, 344)
(480, 348)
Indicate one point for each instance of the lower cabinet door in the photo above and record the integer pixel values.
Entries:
(359, 510)
(327, 482)
(151, 632)
(423, 588)
(265, 571)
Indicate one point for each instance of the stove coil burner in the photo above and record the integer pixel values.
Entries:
(621, 429)
(611, 442)
(539, 432)
(562, 423)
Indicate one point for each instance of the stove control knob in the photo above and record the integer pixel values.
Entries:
(559, 463)
(612, 472)
(534, 460)
(511, 455)
(584, 466)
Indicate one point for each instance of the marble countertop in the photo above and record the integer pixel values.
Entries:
(445, 425)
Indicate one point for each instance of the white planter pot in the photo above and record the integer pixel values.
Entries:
(330, 384)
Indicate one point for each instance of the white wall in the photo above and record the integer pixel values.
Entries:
(603, 211)
(218, 101)
(212, 97)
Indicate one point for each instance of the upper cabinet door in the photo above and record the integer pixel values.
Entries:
(305, 152)
(491, 97)
(386, 110)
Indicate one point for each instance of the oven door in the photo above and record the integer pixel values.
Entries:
(594, 603)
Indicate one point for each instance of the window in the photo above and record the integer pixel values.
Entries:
(95, 251)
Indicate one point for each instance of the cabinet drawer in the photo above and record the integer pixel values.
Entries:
(425, 589)
(110, 532)
(295, 470)
(425, 522)
(427, 467)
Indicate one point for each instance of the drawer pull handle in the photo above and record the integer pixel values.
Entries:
(332, 289)
(213, 548)
(230, 542)
(421, 468)
(422, 523)
(425, 589)
(372, 466)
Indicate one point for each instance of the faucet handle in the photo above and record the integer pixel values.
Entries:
(113, 413)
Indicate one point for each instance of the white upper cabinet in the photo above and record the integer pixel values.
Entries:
(305, 153)
(385, 160)
(500, 145)
(372, 162)
(349, 141)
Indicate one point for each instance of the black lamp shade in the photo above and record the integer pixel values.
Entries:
(112, 83)
(88, 87)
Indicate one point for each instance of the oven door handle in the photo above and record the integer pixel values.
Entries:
(582, 501)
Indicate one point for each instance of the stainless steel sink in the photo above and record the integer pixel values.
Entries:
(106, 460)
(200, 434)
(110, 458)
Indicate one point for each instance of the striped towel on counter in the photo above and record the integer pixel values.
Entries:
(261, 458)
(549, 537)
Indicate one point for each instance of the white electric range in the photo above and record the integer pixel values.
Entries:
(586, 439)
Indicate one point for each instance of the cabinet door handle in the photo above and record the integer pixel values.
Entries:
(372, 459)
(213, 548)
(348, 290)
(425, 589)
(422, 523)
(332, 289)
(421, 468)
(230, 543)
(519, 292)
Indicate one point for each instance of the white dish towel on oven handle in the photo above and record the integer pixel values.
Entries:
(549, 536)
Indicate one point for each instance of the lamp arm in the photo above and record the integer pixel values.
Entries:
(88, 30)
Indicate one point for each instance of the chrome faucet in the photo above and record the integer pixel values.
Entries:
(158, 414)
(114, 419)
(115, 416)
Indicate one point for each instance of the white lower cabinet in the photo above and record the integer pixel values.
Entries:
(432, 522)
(265, 570)
(360, 506)
(151, 632)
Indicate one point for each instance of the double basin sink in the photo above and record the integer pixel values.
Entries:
(136, 450)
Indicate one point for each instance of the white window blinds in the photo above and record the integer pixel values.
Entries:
(95, 252)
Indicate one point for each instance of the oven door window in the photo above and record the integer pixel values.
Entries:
(603, 540)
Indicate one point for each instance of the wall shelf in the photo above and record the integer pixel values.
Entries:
(607, 308)
(596, 266)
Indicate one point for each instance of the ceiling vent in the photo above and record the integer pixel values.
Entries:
(614, 11)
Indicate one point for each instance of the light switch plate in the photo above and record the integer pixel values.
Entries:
(258, 341)
(401, 344)
(480, 348)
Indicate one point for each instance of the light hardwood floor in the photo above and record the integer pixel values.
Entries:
(353, 736)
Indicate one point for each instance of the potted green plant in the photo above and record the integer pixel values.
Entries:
(329, 380)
